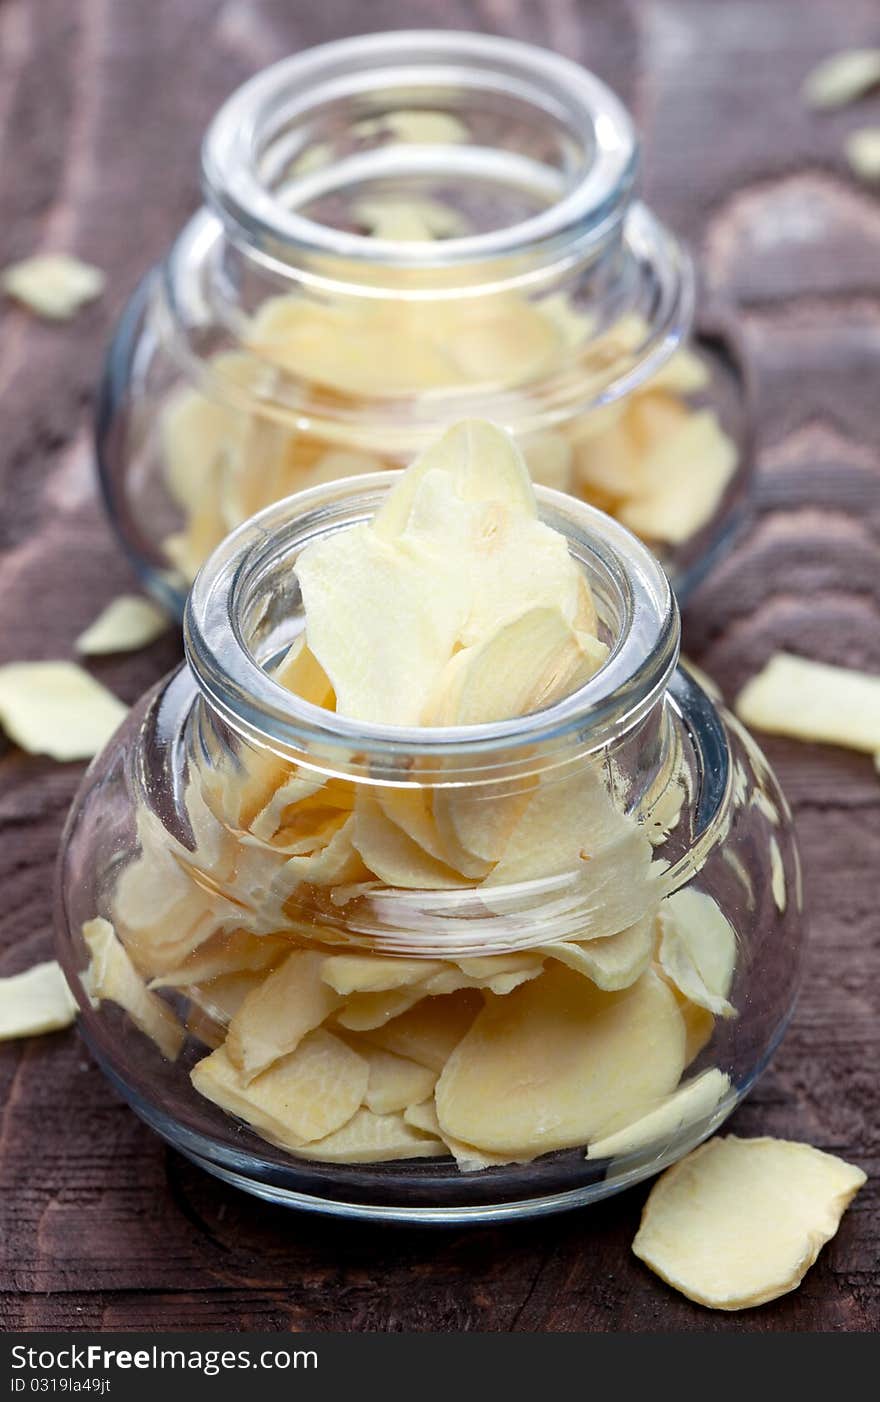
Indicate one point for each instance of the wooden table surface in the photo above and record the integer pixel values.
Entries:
(102, 103)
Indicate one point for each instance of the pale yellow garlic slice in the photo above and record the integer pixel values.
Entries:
(38, 1001)
(315, 157)
(697, 950)
(813, 701)
(360, 350)
(409, 219)
(688, 472)
(510, 343)
(611, 963)
(376, 973)
(475, 822)
(571, 839)
(370, 1138)
(527, 663)
(410, 808)
(112, 976)
(269, 879)
(198, 434)
(219, 999)
(684, 373)
(430, 1032)
(393, 856)
(57, 709)
(274, 1018)
(842, 78)
(691, 1102)
(380, 624)
(863, 152)
(305, 1095)
(54, 285)
(483, 464)
(163, 909)
(699, 1024)
(423, 1116)
(364, 1012)
(301, 672)
(559, 1063)
(395, 1082)
(607, 457)
(127, 623)
(739, 1222)
(227, 952)
(415, 125)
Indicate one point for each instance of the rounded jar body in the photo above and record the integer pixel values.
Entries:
(504, 969)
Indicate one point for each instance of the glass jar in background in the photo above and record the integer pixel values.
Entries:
(619, 866)
(404, 230)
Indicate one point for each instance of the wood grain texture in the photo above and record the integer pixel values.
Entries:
(102, 103)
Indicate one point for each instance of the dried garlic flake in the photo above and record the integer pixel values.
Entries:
(57, 709)
(112, 975)
(34, 1002)
(127, 623)
(862, 149)
(53, 285)
(739, 1222)
(842, 78)
(693, 1101)
(813, 701)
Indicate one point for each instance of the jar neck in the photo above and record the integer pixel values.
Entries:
(540, 156)
(245, 609)
(531, 160)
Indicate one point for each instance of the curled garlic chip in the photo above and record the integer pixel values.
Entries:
(431, 1031)
(423, 1116)
(368, 1137)
(697, 949)
(809, 700)
(691, 1102)
(36, 1001)
(53, 285)
(525, 664)
(610, 963)
(842, 78)
(112, 975)
(395, 1082)
(739, 1222)
(304, 1095)
(57, 709)
(127, 623)
(273, 1020)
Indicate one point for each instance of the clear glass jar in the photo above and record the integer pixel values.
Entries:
(218, 823)
(403, 230)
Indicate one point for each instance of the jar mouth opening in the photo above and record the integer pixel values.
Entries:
(580, 188)
(234, 628)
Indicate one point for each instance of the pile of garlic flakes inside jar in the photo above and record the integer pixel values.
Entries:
(318, 378)
(453, 606)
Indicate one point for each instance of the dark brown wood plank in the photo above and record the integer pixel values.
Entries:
(101, 109)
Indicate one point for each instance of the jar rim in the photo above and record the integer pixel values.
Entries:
(243, 692)
(579, 221)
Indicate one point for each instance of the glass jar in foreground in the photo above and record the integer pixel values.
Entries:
(429, 974)
(401, 231)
